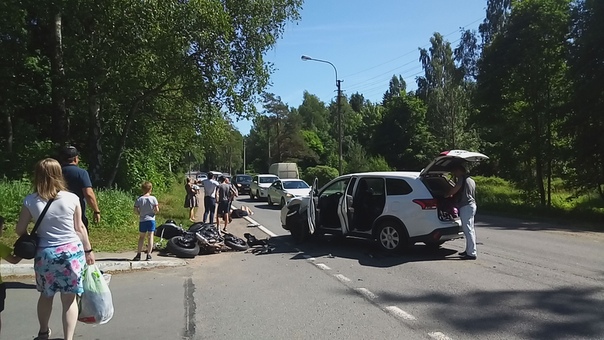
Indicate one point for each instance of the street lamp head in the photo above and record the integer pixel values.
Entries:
(305, 58)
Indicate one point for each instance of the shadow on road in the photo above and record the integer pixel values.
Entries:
(560, 313)
(364, 251)
(19, 285)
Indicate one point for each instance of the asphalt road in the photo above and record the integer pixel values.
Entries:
(531, 281)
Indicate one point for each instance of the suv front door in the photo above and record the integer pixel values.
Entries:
(329, 206)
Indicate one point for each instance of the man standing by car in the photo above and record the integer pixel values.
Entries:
(210, 187)
(465, 192)
(78, 182)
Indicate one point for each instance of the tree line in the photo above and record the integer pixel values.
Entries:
(526, 88)
(141, 88)
(148, 88)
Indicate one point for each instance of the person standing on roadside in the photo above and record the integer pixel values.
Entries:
(225, 196)
(465, 192)
(78, 182)
(210, 186)
(6, 253)
(191, 199)
(146, 206)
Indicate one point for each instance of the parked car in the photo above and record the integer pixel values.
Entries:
(260, 184)
(201, 176)
(395, 208)
(283, 190)
(242, 182)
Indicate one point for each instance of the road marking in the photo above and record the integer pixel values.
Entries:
(258, 225)
(394, 310)
(439, 336)
(342, 278)
(322, 266)
(366, 293)
(308, 257)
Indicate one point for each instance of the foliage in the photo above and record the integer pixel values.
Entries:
(322, 172)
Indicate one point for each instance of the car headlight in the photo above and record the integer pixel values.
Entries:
(289, 195)
(239, 185)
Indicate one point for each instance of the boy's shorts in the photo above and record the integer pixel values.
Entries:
(146, 226)
(223, 208)
(2, 295)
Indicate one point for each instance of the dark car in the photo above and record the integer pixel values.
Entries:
(242, 182)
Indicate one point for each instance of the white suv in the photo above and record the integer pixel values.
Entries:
(260, 185)
(395, 208)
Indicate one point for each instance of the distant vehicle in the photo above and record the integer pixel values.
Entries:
(285, 189)
(395, 208)
(260, 184)
(242, 182)
(284, 170)
(201, 176)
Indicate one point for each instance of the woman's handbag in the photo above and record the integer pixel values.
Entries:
(26, 245)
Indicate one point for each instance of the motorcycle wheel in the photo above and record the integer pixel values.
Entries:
(181, 248)
(235, 242)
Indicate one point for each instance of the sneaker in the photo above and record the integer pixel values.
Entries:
(468, 257)
(148, 257)
(137, 257)
(463, 253)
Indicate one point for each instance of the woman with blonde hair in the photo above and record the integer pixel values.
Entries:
(63, 245)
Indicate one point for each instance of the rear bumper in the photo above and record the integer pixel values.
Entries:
(441, 234)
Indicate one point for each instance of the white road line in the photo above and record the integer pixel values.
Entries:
(439, 336)
(394, 310)
(322, 266)
(308, 257)
(342, 278)
(260, 226)
(366, 293)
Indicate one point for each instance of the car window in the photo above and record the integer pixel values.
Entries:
(336, 187)
(275, 185)
(295, 185)
(351, 186)
(241, 179)
(268, 179)
(255, 179)
(397, 187)
(371, 186)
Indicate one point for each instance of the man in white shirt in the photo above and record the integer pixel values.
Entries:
(210, 186)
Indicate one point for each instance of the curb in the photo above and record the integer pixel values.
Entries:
(105, 266)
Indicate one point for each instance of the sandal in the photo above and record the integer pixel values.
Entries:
(44, 335)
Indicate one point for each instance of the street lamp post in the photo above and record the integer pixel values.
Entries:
(338, 110)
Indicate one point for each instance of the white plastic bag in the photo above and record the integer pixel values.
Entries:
(96, 304)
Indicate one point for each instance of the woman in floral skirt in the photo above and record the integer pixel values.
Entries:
(63, 245)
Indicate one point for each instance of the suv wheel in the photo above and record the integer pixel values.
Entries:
(391, 236)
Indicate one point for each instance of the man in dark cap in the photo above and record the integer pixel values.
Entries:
(78, 182)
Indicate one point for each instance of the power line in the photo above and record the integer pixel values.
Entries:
(407, 53)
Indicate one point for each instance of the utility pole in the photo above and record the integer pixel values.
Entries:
(244, 155)
(339, 111)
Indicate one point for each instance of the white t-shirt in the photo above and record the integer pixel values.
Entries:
(57, 227)
(209, 187)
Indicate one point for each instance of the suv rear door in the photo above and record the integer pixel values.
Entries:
(442, 164)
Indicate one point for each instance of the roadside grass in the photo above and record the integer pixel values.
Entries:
(498, 196)
(118, 229)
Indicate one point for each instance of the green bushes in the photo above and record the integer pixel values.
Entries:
(322, 172)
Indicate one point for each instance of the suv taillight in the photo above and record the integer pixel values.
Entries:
(426, 204)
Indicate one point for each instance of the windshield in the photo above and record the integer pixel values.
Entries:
(267, 179)
(242, 179)
(295, 185)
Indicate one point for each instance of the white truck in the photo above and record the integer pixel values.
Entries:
(284, 170)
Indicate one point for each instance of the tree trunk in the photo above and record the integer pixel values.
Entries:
(122, 143)
(9, 133)
(60, 119)
(94, 132)
(538, 158)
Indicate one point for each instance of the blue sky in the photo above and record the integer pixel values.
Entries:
(367, 41)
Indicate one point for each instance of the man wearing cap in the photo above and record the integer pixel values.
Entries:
(78, 182)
